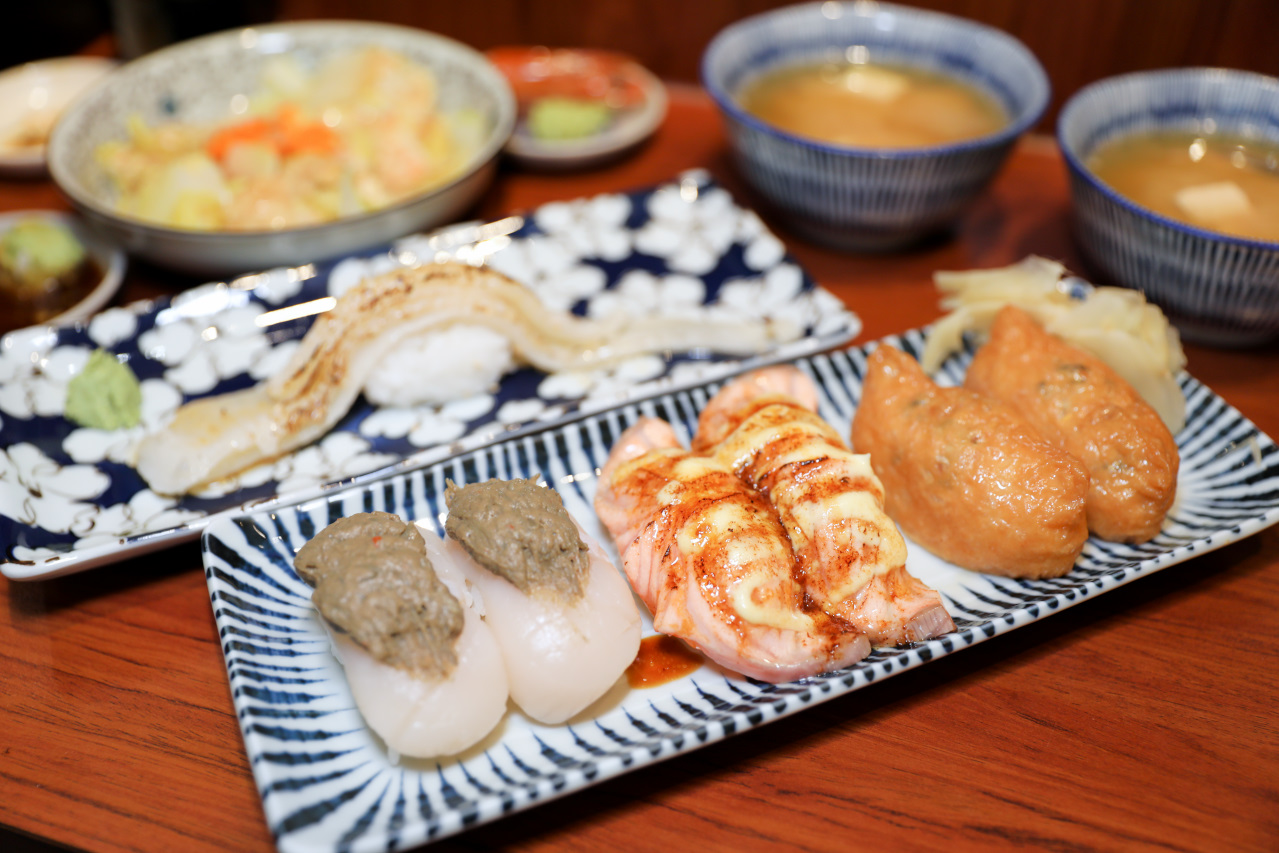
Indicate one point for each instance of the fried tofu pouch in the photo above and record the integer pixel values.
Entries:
(966, 477)
(1082, 406)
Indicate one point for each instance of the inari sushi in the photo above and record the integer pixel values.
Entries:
(424, 670)
(1077, 402)
(966, 477)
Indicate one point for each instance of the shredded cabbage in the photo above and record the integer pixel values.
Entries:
(1115, 324)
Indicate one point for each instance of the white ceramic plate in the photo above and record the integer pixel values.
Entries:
(70, 499)
(32, 97)
(326, 781)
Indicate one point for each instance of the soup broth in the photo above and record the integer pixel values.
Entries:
(872, 106)
(1213, 182)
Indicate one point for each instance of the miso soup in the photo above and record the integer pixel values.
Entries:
(1221, 183)
(872, 106)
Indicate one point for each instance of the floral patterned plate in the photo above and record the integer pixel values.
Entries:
(71, 500)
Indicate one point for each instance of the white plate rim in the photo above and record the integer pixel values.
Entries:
(31, 162)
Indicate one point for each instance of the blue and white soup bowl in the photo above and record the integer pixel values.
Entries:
(1216, 288)
(870, 199)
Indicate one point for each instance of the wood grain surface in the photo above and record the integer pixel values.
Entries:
(1142, 719)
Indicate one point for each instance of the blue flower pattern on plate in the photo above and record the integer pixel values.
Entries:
(70, 499)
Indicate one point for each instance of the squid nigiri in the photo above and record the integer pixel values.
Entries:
(214, 437)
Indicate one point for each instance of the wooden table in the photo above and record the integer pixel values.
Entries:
(1141, 719)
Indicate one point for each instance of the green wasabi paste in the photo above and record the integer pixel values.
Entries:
(567, 118)
(105, 395)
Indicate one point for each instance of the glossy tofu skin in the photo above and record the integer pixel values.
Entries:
(966, 477)
(1079, 404)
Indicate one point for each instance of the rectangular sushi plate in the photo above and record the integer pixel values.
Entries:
(328, 783)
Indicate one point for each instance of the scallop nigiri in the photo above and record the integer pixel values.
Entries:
(425, 671)
(564, 617)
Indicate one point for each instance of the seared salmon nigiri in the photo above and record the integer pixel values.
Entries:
(709, 557)
(851, 556)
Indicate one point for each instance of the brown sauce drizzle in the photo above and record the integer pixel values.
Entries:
(661, 660)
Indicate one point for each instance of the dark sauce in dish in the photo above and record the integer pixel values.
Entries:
(20, 307)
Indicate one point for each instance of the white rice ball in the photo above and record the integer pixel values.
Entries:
(440, 366)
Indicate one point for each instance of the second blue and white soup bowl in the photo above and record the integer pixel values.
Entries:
(1217, 289)
(870, 199)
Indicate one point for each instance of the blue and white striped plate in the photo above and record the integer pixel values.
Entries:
(326, 780)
